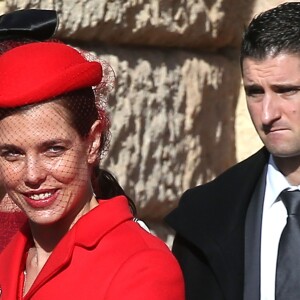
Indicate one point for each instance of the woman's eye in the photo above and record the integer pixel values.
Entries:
(10, 155)
(56, 150)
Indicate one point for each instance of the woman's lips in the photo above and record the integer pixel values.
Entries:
(41, 199)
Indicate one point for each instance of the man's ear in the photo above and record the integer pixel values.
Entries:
(94, 142)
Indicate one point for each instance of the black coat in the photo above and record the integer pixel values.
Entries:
(210, 231)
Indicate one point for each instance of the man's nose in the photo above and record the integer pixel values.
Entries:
(270, 109)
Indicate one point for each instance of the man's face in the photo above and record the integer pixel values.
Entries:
(272, 87)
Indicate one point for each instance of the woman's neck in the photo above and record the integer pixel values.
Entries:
(45, 239)
(47, 236)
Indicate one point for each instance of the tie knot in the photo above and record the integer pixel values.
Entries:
(291, 200)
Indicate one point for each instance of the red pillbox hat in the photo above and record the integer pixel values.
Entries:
(39, 71)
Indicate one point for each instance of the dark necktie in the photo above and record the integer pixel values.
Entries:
(288, 260)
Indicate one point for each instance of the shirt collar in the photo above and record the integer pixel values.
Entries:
(276, 183)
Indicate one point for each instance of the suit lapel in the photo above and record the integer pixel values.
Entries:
(253, 241)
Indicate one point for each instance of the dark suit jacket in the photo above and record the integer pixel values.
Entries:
(210, 231)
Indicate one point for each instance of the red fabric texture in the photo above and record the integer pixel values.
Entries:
(10, 223)
(39, 71)
(106, 255)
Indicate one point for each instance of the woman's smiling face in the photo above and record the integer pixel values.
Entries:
(45, 165)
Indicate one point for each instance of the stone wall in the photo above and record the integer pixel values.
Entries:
(177, 117)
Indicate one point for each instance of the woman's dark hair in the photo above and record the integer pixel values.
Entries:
(82, 112)
(106, 186)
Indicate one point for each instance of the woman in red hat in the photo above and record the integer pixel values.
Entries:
(53, 132)
(18, 27)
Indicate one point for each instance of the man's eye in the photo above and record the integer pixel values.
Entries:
(289, 91)
(253, 92)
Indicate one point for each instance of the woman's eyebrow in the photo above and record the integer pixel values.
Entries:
(8, 146)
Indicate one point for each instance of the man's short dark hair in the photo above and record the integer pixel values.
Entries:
(272, 32)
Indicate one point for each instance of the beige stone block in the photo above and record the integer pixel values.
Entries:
(173, 116)
(187, 24)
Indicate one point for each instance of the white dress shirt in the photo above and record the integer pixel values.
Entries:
(273, 222)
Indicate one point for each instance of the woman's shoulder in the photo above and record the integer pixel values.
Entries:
(138, 235)
(149, 264)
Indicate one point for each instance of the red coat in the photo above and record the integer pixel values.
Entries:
(10, 223)
(106, 255)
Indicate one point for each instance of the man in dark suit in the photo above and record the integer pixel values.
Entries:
(228, 231)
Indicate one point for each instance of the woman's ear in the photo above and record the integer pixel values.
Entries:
(94, 142)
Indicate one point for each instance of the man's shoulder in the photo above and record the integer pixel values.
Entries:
(242, 173)
(230, 191)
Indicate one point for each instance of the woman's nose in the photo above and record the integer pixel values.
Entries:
(35, 172)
